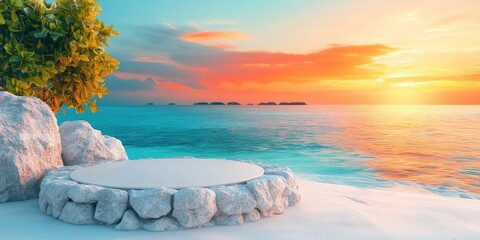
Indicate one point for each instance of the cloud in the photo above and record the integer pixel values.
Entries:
(410, 84)
(118, 84)
(205, 36)
(193, 70)
(223, 46)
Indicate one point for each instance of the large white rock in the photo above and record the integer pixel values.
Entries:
(111, 205)
(193, 207)
(78, 213)
(235, 199)
(84, 193)
(82, 144)
(29, 146)
(268, 191)
(152, 203)
(161, 224)
(130, 222)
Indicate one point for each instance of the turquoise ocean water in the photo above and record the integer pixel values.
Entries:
(433, 147)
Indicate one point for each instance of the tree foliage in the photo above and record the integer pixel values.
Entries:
(54, 51)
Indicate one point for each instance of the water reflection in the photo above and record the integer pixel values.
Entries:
(433, 145)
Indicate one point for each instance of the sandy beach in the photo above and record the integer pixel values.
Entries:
(327, 212)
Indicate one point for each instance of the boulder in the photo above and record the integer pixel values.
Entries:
(290, 194)
(234, 199)
(130, 222)
(294, 198)
(268, 191)
(193, 207)
(29, 146)
(111, 205)
(78, 213)
(162, 224)
(84, 193)
(53, 196)
(230, 220)
(152, 203)
(252, 216)
(82, 144)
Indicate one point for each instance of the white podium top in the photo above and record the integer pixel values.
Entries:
(170, 173)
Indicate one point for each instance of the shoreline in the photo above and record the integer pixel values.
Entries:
(327, 211)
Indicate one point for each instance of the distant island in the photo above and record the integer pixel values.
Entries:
(171, 104)
(217, 103)
(267, 103)
(250, 104)
(201, 103)
(292, 103)
(150, 104)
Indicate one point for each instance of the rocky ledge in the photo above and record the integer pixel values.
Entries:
(162, 209)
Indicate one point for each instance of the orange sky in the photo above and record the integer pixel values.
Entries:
(350, 52)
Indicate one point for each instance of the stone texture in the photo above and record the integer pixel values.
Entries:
(111, 205)
(234, 199)
(290, 194)
(29, 146)
(252, 216)
(152, 203)
(116, 147)
(268, 191)
(130, 222)
(162, 224)
(230, 220)
(78, 213)
(194, 207)
(84, 145)
(53, 196)
(84, 193)
(294, 198)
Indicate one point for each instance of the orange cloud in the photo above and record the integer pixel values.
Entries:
(334, 63)
(223, 46)
(205, 36)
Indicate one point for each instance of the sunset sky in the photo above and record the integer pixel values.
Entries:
(320, 52)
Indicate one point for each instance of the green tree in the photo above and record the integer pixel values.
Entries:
(54, 51)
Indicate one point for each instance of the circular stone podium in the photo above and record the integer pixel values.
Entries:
(167, 173)
(167, 194)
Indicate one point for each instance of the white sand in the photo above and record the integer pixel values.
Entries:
(327, 212)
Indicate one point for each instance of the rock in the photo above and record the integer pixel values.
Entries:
(111, 205)
(78, 213)
(130, 222)
(234, 199)
(268, 191)
(291, 195)
(294, 198)
(251, 216)
(162, 224)
(53, 196)
(84, 193)
(152, 203)
(55, 175)
(29, 146)
(230, 220)
(84, 145)
(193, 207)
(287, 174)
